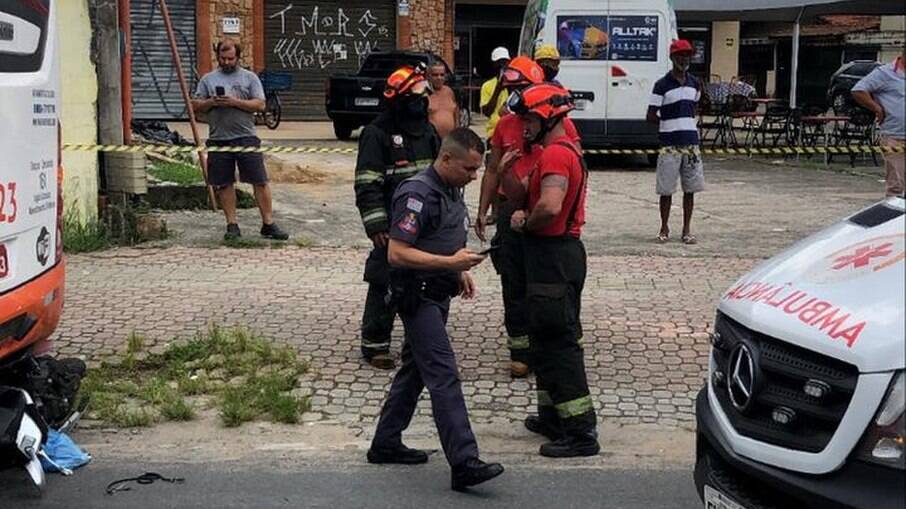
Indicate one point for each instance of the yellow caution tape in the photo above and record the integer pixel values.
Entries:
(746, 151)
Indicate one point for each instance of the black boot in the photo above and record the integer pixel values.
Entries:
(571, 446)
(474, 472)
(401, 455)
(535, 424)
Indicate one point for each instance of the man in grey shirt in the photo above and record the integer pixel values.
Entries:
(883, 92)
(231, 96)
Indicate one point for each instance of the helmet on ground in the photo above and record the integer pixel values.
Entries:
(522, 72)
(548, 101)
(407, 80)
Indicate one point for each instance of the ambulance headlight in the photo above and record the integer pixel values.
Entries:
(885, 440)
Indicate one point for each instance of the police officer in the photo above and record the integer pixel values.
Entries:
(555, 263)
(395, 146)
(428, 233)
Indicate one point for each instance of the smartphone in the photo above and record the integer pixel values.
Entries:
(219, 90)
(492, 247)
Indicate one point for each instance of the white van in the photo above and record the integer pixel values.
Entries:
(804, 406)
(612, 52)
(31, 178)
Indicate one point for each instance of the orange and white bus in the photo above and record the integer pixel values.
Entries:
(31, 178)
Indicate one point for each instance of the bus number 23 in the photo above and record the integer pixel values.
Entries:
(8, 205)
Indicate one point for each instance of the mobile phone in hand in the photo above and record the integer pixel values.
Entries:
(219, 90)
(492, 247)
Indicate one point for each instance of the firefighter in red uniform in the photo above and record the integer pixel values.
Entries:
(555, 268)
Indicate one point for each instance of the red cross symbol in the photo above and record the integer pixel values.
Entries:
(862, 256)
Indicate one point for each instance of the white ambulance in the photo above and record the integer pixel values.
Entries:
(31, 178)
(804, 406)
(612, 52)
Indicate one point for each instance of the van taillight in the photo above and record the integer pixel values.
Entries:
(617, 71)
(58, 248)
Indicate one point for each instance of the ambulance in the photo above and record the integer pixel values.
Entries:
(31, 179)
(804, 403)
(611, 54)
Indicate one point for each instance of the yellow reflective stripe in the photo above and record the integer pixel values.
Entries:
(575, 407)
(374, 215)
(544, 399)
(366, 177)
(517, 342)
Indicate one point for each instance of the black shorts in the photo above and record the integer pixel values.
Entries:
(222, 165)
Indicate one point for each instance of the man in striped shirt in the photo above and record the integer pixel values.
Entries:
(672, 107)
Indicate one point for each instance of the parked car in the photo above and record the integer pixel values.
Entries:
(804, 403)
(355, 100)
(844, 79)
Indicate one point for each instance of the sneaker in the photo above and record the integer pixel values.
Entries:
(232, 232)
(571, 447)
(400, 455)
(534, 424)
(381, 361)
(474, 472)
(272, 231)
(518, 369)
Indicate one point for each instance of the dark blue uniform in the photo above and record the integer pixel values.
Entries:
(431, 217)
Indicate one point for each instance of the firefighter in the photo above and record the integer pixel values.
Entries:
(429, 227)
(395, 146)
(510, 153)
(555, 267)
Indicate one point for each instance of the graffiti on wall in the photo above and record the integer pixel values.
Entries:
(321, 37)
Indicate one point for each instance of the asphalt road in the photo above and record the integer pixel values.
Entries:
(264, 485)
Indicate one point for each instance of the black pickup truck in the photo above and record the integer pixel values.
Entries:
(355, 100)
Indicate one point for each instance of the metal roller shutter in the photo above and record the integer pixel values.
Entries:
(313, 39)
(155, 87)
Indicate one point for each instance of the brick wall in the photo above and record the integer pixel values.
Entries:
(431, 27)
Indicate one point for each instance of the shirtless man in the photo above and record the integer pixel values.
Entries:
(443, 112)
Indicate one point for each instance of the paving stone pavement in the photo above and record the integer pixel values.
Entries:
(646, 320)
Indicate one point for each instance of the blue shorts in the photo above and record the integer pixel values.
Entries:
(222, 166)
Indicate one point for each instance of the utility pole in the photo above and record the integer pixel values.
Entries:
(107, 39)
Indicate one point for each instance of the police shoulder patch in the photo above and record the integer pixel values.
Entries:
(414, 204)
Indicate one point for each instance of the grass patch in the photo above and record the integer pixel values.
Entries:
(247, 375)
(79, 237)
(301, 241)
(176, 172)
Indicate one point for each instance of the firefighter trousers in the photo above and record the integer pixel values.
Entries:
(555, 277)
(378, 316)
(509, 263)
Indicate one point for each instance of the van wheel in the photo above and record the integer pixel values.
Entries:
(342, 131)
(652, 160)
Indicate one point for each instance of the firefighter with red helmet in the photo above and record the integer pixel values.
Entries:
(555, 267)
(395, 146)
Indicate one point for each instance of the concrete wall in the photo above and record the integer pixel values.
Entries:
(725, 49)
(79, 89)
(892, 24)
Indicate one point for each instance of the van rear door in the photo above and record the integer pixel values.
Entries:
(640, 37)
(29, 157)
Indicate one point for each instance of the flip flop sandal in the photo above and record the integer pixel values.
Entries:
(661, 238)
(689, 239)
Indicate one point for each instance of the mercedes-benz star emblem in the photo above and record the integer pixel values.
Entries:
(741, 384)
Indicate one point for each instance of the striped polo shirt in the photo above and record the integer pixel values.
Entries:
(676, 103)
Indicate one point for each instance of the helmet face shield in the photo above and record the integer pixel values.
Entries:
(516, 104)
